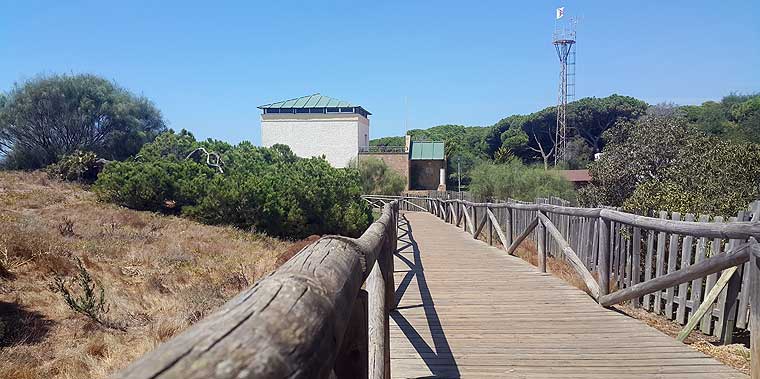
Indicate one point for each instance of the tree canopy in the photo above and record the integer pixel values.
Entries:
(735, 117)
(664, 163)
(48, 117)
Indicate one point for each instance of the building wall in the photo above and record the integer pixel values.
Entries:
(398, 162)
(336, 136)
(425, 174)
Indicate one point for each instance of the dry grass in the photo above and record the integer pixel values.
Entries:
(736, 355)
(160, 275)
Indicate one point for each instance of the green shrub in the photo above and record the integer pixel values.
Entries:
(377, 178)
(663, 163)
(266, 189)
(91, 300)
(80, 166)
(164, 186)
(515, 180)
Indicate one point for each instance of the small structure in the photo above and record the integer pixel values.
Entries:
(421, 163)
(579, 178)
(427, 164)
(317, 125)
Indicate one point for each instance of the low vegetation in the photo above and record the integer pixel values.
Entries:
(377, 178)
(253, 188)
(87, 287)
(515, 180)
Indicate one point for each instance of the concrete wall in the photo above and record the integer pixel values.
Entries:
(398, 162)
(425, 174)
(337, 136)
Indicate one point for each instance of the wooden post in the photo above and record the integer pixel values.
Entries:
(541, 246)
(352, 359)
(489, 226)
(730, 309)
(508, 227)
(636, 263)
(604, 256)
(754, 303)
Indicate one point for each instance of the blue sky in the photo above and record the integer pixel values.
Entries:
(207, 65)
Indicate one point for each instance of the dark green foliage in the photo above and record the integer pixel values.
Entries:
(662, 163)
(50, 117)
(266, 189)
(387, 141)
(515, 180)
(157, 185)
(91, 300)
(735, 117)
(80, 166)
(531, 137)
(379, 179)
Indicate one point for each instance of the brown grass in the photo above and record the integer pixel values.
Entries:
(736, 355)
(160, 275)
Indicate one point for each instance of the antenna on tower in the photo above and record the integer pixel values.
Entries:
(564, 40)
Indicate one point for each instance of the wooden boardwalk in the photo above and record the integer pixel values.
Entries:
(467, 309)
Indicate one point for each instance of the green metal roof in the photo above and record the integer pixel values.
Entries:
(312, 101)
(429, 150)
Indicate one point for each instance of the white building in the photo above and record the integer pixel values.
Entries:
(317, 125)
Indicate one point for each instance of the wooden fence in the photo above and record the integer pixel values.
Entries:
(309, 319)
(669, 265)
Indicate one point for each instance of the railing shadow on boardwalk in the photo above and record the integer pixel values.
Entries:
(439, 356)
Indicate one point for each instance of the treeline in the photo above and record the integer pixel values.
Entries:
(88, 129)
(672, 154)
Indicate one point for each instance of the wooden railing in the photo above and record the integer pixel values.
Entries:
(308, 319)
(613, 245)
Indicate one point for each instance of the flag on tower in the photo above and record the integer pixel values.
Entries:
(560, 12)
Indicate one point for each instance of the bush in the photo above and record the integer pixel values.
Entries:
(91, 301)
(662, 163)
(49, 117)
(266, 189)
(518, 181)
(377, 178)
(80, 167)
(159, 185)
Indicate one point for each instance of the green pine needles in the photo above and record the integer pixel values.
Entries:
(89, 299)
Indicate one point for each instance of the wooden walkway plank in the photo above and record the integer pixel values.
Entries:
(466, 309)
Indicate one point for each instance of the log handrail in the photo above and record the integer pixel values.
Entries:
(732, 230)
(292, 323)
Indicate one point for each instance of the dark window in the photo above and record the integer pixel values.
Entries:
(332, 110)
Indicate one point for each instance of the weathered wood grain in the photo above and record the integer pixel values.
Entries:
(604, 257)
(289, 324)
(706, 323)
(707, 304)
(672, 259)
(717, 263)
(499, 232)
(472, 311)
(522, 236)
(754, 315)
(660, 263)
(683, 288)
(568, 252)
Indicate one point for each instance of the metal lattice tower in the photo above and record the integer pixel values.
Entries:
(564, 42)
